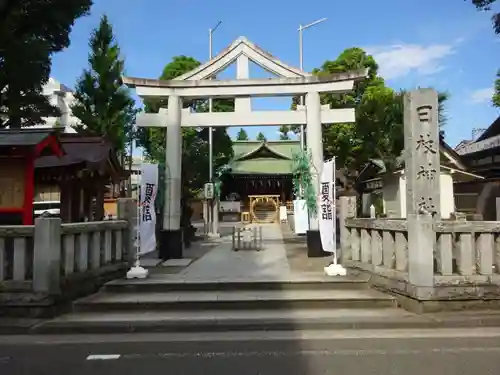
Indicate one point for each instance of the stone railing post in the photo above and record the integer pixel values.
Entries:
(422, 173)
(127, 210)
(347, 210)
(47, 256)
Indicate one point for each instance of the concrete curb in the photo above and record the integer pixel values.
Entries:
(44, 327)
(192, 326)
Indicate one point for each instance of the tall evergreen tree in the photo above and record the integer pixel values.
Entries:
(30, 32)
(242, 135)
(103, 104)
(261, 137)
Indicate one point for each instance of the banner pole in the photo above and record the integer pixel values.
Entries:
(139, 220)
(334, 203)
(334, 269)
(138, 272)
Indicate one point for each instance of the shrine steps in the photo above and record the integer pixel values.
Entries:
(175, 306)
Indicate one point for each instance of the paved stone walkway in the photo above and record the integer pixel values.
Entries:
(222, 262)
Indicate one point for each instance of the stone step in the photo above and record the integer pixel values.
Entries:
(234, 300)
(163, 284)
(236, 320)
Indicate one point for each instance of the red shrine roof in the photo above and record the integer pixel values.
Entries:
(86, 152)
(31, 140)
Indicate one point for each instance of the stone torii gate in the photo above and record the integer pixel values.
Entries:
(197, 84)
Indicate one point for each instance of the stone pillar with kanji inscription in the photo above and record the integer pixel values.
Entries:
(422, 174)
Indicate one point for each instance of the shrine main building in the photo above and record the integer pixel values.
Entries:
(260, 179)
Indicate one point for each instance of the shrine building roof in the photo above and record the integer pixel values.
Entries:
(263, 157)
(88, 152)
(37, 142)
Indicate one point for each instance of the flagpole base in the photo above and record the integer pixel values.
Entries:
(171, 244)
(137, 272)
(314, 247)
(335, 270)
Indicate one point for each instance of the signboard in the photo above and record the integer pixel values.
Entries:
(209, 190)
(327, 214)
(373, 184)
(12, 175)
(230, 206)
(147, 215)
(300, 216)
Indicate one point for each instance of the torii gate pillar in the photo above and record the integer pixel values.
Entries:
(171, 235)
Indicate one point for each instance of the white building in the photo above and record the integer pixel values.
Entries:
(375, 183)
(62, 97)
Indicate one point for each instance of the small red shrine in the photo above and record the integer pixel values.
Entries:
(19, 148)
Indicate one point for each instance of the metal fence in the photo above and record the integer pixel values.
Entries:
(249, 238)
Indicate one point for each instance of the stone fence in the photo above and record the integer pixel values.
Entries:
(46, 264)
(423, 258)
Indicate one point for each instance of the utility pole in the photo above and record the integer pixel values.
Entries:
(301, 62)
(213, 207)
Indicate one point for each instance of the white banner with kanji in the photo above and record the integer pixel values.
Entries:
(147, 215)
(326, 207)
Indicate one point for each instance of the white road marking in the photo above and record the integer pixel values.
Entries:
(102, 357)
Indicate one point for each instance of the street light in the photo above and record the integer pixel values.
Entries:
(210, 136)
(301, 58)
(210, 130)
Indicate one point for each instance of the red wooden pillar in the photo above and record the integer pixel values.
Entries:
(29, 190)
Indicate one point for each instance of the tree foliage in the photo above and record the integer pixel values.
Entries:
(284, 130)
(485, 6)
(302, 180)
(378, 130)
(31, 31)
(261, 137)
(104, 106)
(496, 92)
(242, 135)
(195, 158)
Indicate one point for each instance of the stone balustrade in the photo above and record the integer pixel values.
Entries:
(378, 243)
(16, 254)
(91, 245)
(469, 249)
(50, 261)
(39, 254)
(425, 259)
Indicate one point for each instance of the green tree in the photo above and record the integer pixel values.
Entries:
(242, 135)
(378, 130)
(31, 32)
(485, 6)
(348, 141)
(261, 137)
(104, 106)
(284, 130)
(496, 93)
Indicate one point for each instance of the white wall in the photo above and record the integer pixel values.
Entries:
(447, 197)
(61, 97)
(391, 196)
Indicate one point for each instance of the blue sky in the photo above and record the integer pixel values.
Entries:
(445, 44)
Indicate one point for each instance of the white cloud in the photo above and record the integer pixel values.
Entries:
(481, 95)
(398, 60)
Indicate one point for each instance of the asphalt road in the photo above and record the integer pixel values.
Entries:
(402, 352)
